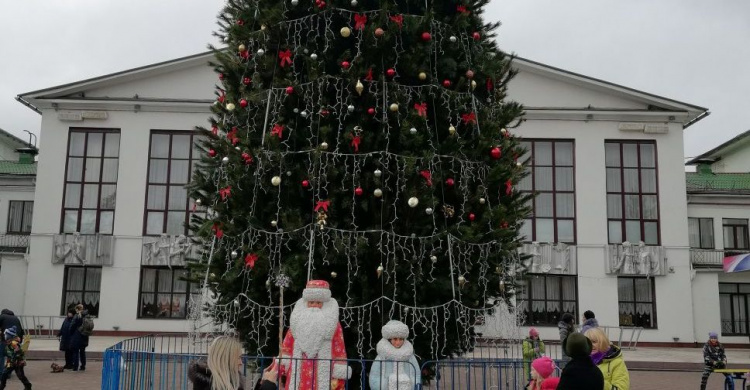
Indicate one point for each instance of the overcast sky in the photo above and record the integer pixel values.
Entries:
(693, 51)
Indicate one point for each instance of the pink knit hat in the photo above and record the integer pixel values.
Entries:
(550, 383)
(533, 332)
(544, 366)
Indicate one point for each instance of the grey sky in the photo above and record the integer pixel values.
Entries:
(689, 50)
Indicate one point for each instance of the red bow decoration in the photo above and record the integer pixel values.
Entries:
(369, 75)
(359, 21)
(278, 130)
(356, 140)
(217, 231)
(222, 96)
(490, 84)
(427, 177)
(248, 158)
(322, 204)
(285, 57)
(462, 9)
(399, 20)
(225, 192)
(232, 136)
(469, 118)
(250, 260)
(215, 130)
(421, 109)
(508, 187)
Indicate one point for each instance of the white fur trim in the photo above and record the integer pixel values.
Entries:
(303, 349)
(341, 371)
(388, 352)
(399, 382)
(316, 294)
(395, 330)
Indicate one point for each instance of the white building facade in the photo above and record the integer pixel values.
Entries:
(608, 232)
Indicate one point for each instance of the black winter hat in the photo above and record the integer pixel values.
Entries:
(576, 345)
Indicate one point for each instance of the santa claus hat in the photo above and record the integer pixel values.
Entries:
(395, 330)
(317, 291)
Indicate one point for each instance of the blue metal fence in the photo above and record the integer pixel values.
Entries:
(162, 362)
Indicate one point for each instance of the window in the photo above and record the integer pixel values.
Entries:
(172, 160)
(701, 233)
(164, 292)
(547, 297)
(552, 178)
(637, 302)
(735, 234)
(82, 286)
(19, 216)
(632, 193)
(91, 181)
(733, 302)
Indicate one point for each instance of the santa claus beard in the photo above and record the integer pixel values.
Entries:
(312, 327)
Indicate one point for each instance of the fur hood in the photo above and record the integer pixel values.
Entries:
(388, 352)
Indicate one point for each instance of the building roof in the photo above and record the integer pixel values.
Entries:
(15, 141)
(735, 183)
(16, 168)
(716, 153)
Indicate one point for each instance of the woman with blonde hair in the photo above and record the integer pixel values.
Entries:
(608, 358)
(222, 371)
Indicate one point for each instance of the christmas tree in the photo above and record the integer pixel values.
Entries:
(367, 143)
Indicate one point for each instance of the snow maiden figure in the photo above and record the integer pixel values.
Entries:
(395, 367)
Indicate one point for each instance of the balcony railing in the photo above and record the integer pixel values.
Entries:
(14, 243)
(711, 258)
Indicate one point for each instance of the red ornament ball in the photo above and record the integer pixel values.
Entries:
(221, 76)
(496, 153)
(476, 36)
(379, 32)
(240, 22)
(390, 72)
(243, 103)
(426, 36)
(469, 74)
(472, 217)
(449, 182)
(212, 153)
(305, 183)
(246, 81)
(289, 90)
(371, 111)
(324, 113)
(446, 83)
(345, 64)
(358, 191)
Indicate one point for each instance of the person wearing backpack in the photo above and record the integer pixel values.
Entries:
(81, 329)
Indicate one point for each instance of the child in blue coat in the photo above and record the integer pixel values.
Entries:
(395, 367)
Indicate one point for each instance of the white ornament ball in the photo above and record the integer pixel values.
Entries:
(276, 181)
(413, 130)
(394, 107)
(350, 108)
(378, 173)
(413, 201)
(295, 2)
(433, 258)
(354, 3)
(198, 202)
(518, 164)
(378, 192)
(453, 39)
(303, 114)
(324, 146)
(289, 173)
(261, 52)
(274, 223)
(230, 106)
(334, 274)
(237, 148)
(225, 159)
(428, 211)
(314, 56)
(236, 303)
(296, 110)
(346, 32)
(504, 131)
(305, 51)
(234, 254)
(482, 200)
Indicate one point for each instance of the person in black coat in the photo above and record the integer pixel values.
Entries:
(579, 373)
(78, 340)
(64, 335)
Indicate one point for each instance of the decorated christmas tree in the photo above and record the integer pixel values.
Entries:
(367, 143)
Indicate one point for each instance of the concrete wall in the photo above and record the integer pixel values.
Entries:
(13, 266)
(735, 160)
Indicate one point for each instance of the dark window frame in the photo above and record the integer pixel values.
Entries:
(24, 204)
(63, 306)
(652, 285)
(83, 182)
(700, 233)
(550, 319)
(189, 290)
(623, 220)
(531, 165)
(735, 227)
(734, 326)
(192, 159)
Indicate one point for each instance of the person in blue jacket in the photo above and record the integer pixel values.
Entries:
(395, 367)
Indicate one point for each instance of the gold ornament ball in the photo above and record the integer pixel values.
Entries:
(422, 76)
(334, 274)
(473, 85)
(230, 106)
(359, 88)
(394, 107)
(324, 146)
(452, 130)
(346, 32)
(433, 258)
(378, 192)
(504, 131)
(276, 181)
(413, 201)
(263, 27)
(274, 223)
(242, 48)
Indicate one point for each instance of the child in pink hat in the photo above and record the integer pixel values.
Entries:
(541, 369)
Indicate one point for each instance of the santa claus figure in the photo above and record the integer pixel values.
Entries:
(313, 353)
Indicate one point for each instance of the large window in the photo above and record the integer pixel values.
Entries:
(701, 232)
(552, 178)
(172, 160)
(546, 298)
(82, 286)
(632, 193)
(735, 234)
(164, 292)
(637, 301)
(19, 216)
(91, 181)
(733, 300)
